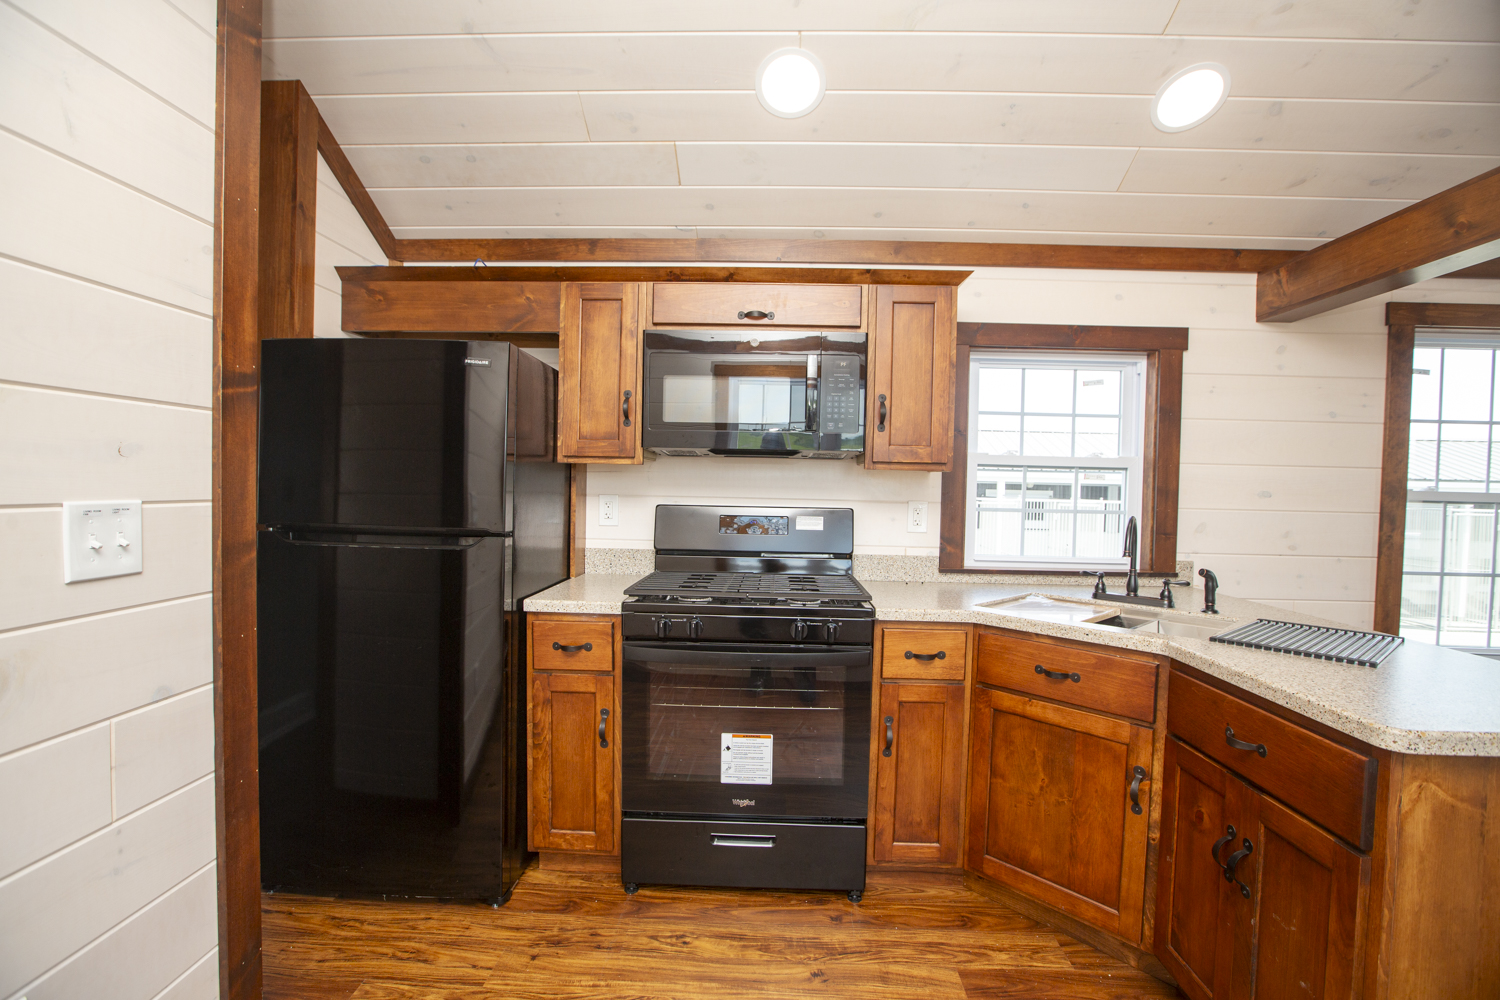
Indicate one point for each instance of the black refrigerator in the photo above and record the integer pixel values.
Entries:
(410, 499)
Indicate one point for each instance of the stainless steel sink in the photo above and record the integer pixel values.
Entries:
(1044, 607)
(1148, 620)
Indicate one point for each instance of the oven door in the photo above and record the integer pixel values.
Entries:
(748, 731)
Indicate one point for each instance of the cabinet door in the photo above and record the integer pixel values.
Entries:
(1305, 899)
(572, 769)
(1196, 909)
(909, 390)
(1050, 807)
(599, 354)
(918, 755)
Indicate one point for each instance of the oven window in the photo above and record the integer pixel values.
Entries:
(801, 709)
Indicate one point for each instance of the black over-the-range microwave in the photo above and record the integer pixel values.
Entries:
(767, 393)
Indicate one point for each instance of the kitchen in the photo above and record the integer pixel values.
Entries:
(1282, 437)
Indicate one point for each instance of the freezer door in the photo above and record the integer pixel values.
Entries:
(384, 433)
(389, 740)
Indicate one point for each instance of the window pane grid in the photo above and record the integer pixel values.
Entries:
(1449, 580)
(1049, 513)
(1453, 441)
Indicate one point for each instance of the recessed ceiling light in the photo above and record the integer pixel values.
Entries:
(789, 82)
(1189, 97)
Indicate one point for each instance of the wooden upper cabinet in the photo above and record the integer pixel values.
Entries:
(909, 386)
(757, 304)
(599, 391)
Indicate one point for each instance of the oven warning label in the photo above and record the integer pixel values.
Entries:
(745, 759)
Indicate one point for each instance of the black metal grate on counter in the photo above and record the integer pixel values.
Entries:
(1342, 645)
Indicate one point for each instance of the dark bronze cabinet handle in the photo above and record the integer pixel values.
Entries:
(939, 655)
(625, 408)
(587, 647)
(1259, 748)
(1057, 675)
(890, 736)
(757, 314)
(1234, 862)
(882, 413)
(1219, 846)
(603, 719)
(1137, 776)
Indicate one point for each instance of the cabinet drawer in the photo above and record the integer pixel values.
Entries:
(1329, 783)
(736, 304)
(926, 654)
(554, 645)
(1115, 684)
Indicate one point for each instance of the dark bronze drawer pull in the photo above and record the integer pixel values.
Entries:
(890, 736)
(939, 655)
(1219, 846)
(1139, 775)
(757, 314)
(625, 408)
(1259, 748)
(1057, 675)
(882, 413)
(587, 647)
(1234, 862)
(603, 718)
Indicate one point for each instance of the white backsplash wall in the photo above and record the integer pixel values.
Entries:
(343, 240)
(1281, 436)
(107, 871)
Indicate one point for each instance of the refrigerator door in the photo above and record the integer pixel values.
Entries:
(384, 434)
(391, 719)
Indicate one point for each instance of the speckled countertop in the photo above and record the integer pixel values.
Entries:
(1423, 699)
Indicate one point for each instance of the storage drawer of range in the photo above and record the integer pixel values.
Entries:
(749, 628)
(729, 853)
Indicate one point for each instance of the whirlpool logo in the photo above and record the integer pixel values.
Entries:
(742, 803)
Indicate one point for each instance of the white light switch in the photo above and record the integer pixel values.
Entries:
(916, 516)
(609, 510)
(101, 538)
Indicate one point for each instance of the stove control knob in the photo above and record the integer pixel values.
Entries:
(695, 627)
(833, 631)
(799, 629)
(663, 627)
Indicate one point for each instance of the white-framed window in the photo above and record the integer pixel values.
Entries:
(1449, 590)
(1055, 458)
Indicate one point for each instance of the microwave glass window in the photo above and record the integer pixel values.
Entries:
(687, 399)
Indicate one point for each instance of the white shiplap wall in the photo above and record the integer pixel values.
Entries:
(343, 240)
(1281, 436)
(107, 874)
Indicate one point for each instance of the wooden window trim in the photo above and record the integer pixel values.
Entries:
(1402, 320)
(1163, 347)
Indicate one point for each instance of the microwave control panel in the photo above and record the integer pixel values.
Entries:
(839, 408)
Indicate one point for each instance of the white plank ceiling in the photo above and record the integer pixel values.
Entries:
(983, 120)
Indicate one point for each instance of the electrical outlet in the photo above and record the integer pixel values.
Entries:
(609, 510)
(916, 516)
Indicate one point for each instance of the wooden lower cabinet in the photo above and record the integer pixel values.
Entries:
(1051, 797)
(917, 749)
(1253, 900)
(572, 769)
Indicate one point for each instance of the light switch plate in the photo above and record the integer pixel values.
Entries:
(916, 515)
(609, 510)
(101, 538)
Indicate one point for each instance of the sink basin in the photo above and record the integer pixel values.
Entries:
(1164, 624)
(1044, 607)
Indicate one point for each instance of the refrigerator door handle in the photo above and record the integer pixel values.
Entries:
(459, 544)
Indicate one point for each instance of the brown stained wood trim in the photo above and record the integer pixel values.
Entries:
(869, 252)
(333, 155)
(450, 308)
(1041, 336)
(236, 359)
(1489, 269)
(1457, 314)
(1164, 347)
(1453, 230)
(288, 208)
(794, 275)
(1390, 547)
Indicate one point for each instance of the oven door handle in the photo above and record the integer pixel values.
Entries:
(718, 655)
(743, 839)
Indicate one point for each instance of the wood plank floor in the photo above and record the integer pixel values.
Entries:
(565, 934)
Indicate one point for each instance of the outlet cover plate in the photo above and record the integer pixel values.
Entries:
(916, 515)
(101, 538)
(609, 510)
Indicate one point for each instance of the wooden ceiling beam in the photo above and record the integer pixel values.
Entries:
(1453, 230)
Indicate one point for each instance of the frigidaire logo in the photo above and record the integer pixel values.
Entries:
(479, 362)
(742, 803)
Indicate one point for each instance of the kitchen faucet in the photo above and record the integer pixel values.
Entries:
(1132, 540)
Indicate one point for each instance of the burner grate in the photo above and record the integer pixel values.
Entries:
(749, 585)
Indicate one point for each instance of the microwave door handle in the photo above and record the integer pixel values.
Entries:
(812, 405)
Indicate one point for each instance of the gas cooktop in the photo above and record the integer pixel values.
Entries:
(793, 589)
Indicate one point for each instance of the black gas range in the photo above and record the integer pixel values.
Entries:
(746, 703)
